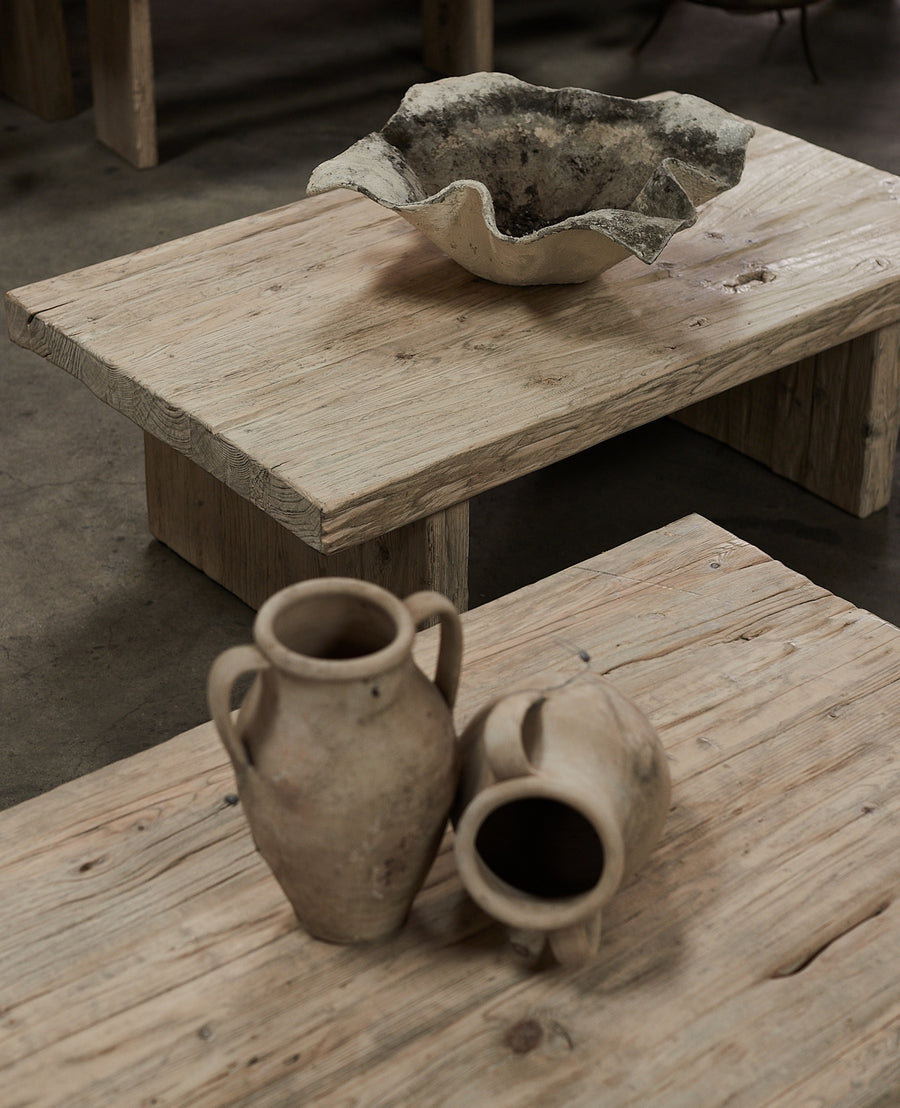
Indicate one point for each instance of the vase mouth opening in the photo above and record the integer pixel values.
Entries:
(334, 627)
(542, 847)
(534, 854)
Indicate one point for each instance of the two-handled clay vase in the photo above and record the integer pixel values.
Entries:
(344, 751)
(563, 794)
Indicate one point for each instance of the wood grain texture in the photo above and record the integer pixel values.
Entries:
(829, 422)
(458, 36)
(236, 544)
(330, 365)
(121, 47)
(148, 956)
(34, 57)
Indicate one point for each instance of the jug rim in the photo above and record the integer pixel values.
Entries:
(353, 668)
(511, 905)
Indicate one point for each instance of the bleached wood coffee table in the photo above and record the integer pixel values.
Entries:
(147, 956)
(323, 391)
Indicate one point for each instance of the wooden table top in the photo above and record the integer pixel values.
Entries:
(147, 956)
(329, 364)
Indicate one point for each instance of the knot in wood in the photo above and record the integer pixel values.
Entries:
(524, 1036)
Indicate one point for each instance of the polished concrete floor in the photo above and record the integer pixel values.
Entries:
(106, 636)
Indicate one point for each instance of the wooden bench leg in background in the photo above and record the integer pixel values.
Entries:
(828, 422)
(252, 555)
(34, 57)
(458, 36)
(122, 76)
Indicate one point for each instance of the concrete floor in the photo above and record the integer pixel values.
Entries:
(106, 635)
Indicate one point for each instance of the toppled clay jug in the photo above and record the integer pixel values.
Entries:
(563, 794)
(344, 751)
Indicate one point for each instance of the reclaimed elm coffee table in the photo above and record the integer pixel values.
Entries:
(323, 391)
(149, 957)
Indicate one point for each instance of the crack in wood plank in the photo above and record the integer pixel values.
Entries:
(806, 960)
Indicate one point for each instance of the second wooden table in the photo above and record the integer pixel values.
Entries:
(323, 391)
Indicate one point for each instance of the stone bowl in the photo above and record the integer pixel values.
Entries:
(523, 184)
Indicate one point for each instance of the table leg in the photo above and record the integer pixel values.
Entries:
(458, 36)
(235, 543)
(34, 57)
(828, 422)
(122, 77)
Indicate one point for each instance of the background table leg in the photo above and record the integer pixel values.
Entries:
(122, 77)
(235, 543)
(458, 36)
(828, 422)
(34, 57)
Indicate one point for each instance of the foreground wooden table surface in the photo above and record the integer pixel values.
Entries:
(323, 391)
(148, 957)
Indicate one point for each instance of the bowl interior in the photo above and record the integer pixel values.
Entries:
(542, 161)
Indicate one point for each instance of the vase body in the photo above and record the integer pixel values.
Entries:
(344, 751)
(563, 794)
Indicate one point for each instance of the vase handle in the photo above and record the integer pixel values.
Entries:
(425, 605)
(503, 746)
(575, 945)
(226, 669)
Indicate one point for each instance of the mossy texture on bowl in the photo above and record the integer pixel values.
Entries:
(522, 184)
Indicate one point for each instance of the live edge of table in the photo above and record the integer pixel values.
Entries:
(148, 957)
(322, 391)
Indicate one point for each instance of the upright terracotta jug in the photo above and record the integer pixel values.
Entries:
(343, 750)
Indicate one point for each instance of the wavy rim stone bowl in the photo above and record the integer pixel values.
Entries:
(523, 184)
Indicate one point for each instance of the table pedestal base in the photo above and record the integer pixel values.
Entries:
(828, 422)
(235, 543)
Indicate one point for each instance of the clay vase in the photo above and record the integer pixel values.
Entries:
(344, 751)
(562, 796)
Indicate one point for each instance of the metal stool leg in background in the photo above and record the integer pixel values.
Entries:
(736, 6)
(804, 38)
(657, 22)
